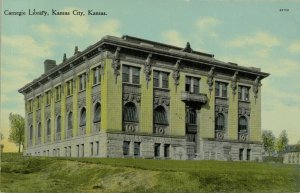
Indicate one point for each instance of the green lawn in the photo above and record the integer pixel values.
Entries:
(32, 174)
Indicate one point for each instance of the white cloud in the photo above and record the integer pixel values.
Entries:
(258, 39)
(295, 47)
(173, 37)
(206, 26)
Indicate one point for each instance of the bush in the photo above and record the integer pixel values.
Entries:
(273, 159)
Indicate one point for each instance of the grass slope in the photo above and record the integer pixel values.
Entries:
(33, 174)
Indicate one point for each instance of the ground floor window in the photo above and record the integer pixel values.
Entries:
(248, 154)
(156, 149)
(92, 148)
(137, 149)
(241, 154)
(167, 150)
(97, 147)
(126, 148)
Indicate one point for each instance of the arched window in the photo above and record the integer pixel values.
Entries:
(130, 112)
(192, 117)
(70, 120)
(39, 130)
(243, 124)
(97, 111)
(30, 132)
(49, 127)
(82, 117)
(58, 124)
(160, 115)
(220, 122)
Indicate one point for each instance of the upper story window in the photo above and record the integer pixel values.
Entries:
(39, 101)
(160, 79)
(57, 93)
(70, 120)
(160, 116)
(244, 93)
(192, 117)
(30, 132)
(221, 89)
(39, 130)
(30, 105)
(58, 124)
(130, 112)
(192, 84)
(69, 87)
(49, 127)
(96, 76)
(220, 122)
(97, 113)
(82, 117)
(243, 124)
(48, 97)
(131, 74)
(82, 82)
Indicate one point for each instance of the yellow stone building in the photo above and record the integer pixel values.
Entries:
(130, 97)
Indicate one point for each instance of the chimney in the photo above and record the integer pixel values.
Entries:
(48, 65)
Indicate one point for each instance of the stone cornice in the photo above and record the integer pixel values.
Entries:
(145, 47)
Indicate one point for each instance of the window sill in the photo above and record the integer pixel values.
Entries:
(83, 90)
(57, 101)
(69, 96)
(244, 101)
(220, 97)
(47, 105)
(132, 84)
(99, 83)
(163, 89)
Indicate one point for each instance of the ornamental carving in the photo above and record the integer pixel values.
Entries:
(38, 116)
(69, 107)
(176, 73)
(221, 109)
(81, 103)
(161, 101)
(210, 78)
(57, 111)
(47, 114)
(130, 97)
(244, 112)
(256, 85)
(116, 63)
(95, 98)
(87, 71)
(147, 69)
(65, 57)
(234, 83)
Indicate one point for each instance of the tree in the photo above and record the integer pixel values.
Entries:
(1, 145)
(17, 127)
(268, 141)
(282, 142)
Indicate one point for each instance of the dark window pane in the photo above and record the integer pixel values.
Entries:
(220, 122)
(243, 125)
(157, 149)
(167, 150)
(196, 85)
(82, 117)
(125, 75)
(188, 84)
(137, 148)
(49, 127)
(58, 124)
(160, 115)
(97, 112)
(130, 112)
(126, 147)
(70, 121)
(165, 80)
(135, 75)
(156, 79)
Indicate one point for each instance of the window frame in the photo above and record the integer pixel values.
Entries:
(160, 115)
(133, 76)
(193, 83)
(244, 93)
(161, 79)
(218, 126)
(130, 112)
(96, 76)
(97, 114)
(220, 87)
(82, 122)
(82, 82)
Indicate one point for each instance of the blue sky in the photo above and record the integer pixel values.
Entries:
(250, 33)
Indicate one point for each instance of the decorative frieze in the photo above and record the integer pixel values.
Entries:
(161, 101)
(130, 127)
(96, 97)
(130, 97)
(81, 103)
(221, 109)
(244, 112)
(69, 107)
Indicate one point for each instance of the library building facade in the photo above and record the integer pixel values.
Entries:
(131, 97)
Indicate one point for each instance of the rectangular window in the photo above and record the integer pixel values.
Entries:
(221, 89)
(131, 74)
(39, 101)
(92, 148)
(161, 79)
(156, 79)
(82, 150)
(125, 73)
(192, 84)
(82, 82)
(243, 93)
(167, 150)
(241, 152)
(248, 154)
(165, 80)
(57, 93)
(58, 152)
(77, 147)
(70, 151)
(126, 148)
(30, 105)
(97, 147)
(69, 87)
(135, 75)
(48, 97)
(66, 151)
(137, 146)
(96, 76)
(156, 149)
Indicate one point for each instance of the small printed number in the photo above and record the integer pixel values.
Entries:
(284, 10)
